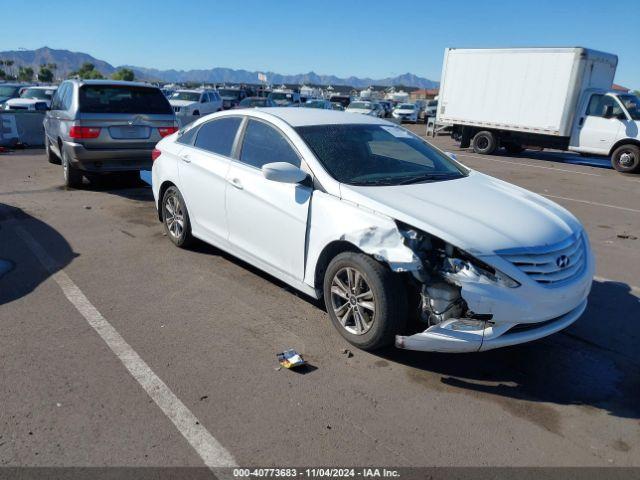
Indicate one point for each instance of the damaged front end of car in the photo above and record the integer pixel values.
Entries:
(450, 315)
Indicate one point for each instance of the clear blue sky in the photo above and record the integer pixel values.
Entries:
(363, 38)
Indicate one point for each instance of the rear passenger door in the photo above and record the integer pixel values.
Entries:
(202, 168)
(267, 220)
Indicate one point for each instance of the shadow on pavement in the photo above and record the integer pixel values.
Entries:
(594, 363)
(128, 185)
(22, 273)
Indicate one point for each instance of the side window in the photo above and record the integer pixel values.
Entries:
(599, 103)
(187, 135)
(56, 103)
(67, 97)
(217, 136)
(263, 144)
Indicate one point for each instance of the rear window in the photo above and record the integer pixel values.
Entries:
(123, 99)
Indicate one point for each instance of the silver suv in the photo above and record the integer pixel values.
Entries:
(98, 126)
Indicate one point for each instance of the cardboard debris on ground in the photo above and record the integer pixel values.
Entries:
(291, 359)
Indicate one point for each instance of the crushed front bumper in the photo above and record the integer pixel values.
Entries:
(437, 339)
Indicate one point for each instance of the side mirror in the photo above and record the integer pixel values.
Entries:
(452, 156)
(283, 172)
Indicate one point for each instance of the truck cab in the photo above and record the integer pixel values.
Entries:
(608, 123)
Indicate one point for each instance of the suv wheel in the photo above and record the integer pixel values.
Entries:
(175, 218)
(626, 159)
(72, 176)
(364, 300)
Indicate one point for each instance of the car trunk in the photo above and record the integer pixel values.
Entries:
(124, 131)
(128, 116)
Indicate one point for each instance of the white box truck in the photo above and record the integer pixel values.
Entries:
(557, 98)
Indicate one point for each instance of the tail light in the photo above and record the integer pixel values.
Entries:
(155, 153)
(84, 132)
(164, 131)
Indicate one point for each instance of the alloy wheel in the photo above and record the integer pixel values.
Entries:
(353, 301)
(174, 216)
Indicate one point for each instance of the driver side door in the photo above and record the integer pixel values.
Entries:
(598, 131)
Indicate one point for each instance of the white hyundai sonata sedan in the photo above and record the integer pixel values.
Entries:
(402, 242)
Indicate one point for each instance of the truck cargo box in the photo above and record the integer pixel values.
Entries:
(534, 90)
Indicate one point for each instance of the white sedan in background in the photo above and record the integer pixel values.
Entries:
(372, 109)
(406, 112)
(380, 224)
(189, 105)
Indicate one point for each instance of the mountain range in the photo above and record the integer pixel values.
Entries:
(68, 62)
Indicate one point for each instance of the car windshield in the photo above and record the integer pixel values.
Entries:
(406, 106)
(632, 104)
(8, 91)
(229, 93)
(253, 102)
(188, 96)
(433, 103)
(314, 104)
(41, 93)
(363, 105)
(359, 154)
(280, 96)
(123, 99)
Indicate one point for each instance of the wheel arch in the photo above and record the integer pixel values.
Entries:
(624, 141)
(163, 188)
(328, 253)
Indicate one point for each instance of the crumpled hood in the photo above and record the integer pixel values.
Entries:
(181, 103)
(479, 214)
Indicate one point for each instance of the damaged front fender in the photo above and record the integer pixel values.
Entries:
(385, 244)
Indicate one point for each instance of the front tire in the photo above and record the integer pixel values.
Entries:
(484, 143)
(626, 159)
(365, 300)
(175, 218)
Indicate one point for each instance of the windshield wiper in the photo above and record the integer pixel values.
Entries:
(427, 177)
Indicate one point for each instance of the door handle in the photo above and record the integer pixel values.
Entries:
(186, 158)
(236, 183)
(581, 122)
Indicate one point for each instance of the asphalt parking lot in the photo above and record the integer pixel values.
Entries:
(208, 327)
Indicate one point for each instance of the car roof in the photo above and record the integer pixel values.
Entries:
(190, 90)
(43, 87)
(303, 117)
(112, 82)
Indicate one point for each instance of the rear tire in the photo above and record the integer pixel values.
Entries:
(175, 218)
(72, 176)
(484, 143)
(626, 159)
(365, 300)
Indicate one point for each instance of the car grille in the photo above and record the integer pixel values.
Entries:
(551, 265)
(176, 109)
